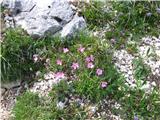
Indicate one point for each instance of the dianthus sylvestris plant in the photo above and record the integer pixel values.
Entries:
(99, 71)
(85, 64)
(65, 50)
(81, 49)
(59, 62)
(75, 66)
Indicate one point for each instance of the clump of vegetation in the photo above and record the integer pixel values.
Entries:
(141, 71)
(88, 65)
(132, 48)
(71, 110)
(21, 56)
(140, 104)
(95, 14)
(125, 18)
(30, 106)
(27, 107)
(61, 91)
(136, 17)
(17, 50)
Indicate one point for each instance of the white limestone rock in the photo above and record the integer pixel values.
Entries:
(40, 18)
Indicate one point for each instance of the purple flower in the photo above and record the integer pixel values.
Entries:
(75, 66)
(148, 14)
(65, 50)
(99, 72)
(104, 84)
(87, 59)
(59, 75)
(90, 58)
(136, 118)
(90, 65)
(59, 62)
(81, 49)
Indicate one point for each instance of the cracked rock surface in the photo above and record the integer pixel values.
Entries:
(40, 18)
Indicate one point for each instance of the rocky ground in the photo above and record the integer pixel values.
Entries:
(148, 50)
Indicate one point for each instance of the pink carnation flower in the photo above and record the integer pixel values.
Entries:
(87, 59)
(75, 65)
(90, 65)
(81, 49)
(59, 62)
(59, 75)
(90, 58)
(104, 84)
(99, 72)
(65, 50)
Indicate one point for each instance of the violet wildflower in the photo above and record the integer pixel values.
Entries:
(104, 84)
(59, 62)
(87, 59)
(99, 72)
(148, 14)
(90, 65)
(65, 50)
(59, 75)
(75, 66)
(136, 118)
(81, 49)
(90, 58)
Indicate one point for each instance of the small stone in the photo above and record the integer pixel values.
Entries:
(60, 105)
(147, 87)
(153, 84)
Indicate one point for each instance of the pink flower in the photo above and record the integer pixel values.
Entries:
(87, 59)
(104, 84)
(65, 50)
(59, 75)
(75, 65)
(90, 65)
(35, 57)
(81, 49)
(59, 62)
(90, 58)
(99, 72)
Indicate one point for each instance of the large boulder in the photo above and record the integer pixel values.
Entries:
(41, 17)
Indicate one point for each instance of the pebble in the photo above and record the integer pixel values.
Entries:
(60, 105)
